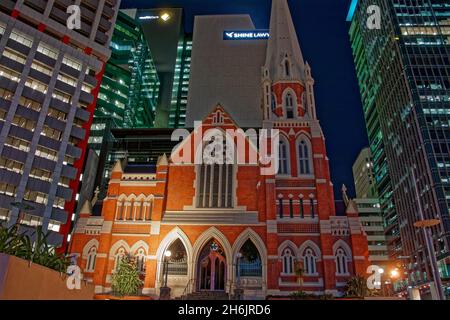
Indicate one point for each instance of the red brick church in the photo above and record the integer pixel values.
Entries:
(230, 224)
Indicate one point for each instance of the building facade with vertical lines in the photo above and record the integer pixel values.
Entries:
(404, 75)
(49, 80)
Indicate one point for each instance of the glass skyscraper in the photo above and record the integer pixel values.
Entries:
(177, 115)
(403, 70)
(129, 91)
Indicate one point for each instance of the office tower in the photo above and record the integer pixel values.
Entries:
(178, 104)
(171, 50)
(404, 75)
(226, 70)
(49, 80)
(363, 175)
(372, 222)
(129, 91)
(369, 208)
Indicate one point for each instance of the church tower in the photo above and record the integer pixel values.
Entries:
(289, 106)
(302, 188)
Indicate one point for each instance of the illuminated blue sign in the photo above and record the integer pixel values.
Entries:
(246, 35)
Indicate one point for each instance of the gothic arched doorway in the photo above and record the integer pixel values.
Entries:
(212, 267)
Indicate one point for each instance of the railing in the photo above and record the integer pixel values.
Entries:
(187, 289)
(250, 269)
(177, 269)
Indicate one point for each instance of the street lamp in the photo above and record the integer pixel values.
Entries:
(167, 256)
(426, 226)
(394, 273)
(164, 291)
(238, 291)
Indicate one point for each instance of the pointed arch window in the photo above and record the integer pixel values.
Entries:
(119, 257)
(304, 157)
(289, 105)
(216, 187)
(91, 259)
(284, 157)
(309, 262)
(341, 262)
(288, 261)
(140, 260)
(287, 68)
(273, 105)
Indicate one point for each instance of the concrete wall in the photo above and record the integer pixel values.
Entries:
(225, 71)
(21, 281)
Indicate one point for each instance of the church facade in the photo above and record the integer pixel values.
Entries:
(233, 224)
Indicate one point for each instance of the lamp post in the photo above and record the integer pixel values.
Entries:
(164, 291)
(426, 225)
(238, 290)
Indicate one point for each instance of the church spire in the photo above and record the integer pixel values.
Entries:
(284, 60)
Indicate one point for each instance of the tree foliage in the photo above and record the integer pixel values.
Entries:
(356, 287)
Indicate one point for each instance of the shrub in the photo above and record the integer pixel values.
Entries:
(125, 280)
(37, 251)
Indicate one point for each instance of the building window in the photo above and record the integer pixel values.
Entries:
(47, 50)
(304, 157)
(91, 259)
(218, 118)
(119, 257)
(287, 68)
(289, 105)
(215, 186)
(288, 260)
(273, 103)
(140, 260)
(21, 38)
(309, 262)
(341, 262)
(215, 177)
(284, 157)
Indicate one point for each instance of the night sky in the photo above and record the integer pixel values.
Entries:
(323, 34)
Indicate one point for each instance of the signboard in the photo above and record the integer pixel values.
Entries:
(246, 34)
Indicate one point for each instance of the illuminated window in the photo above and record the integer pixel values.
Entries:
(283, 157)
(47, 50)
(21, 38)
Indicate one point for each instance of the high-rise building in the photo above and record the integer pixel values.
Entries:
(369, 208)
(404, 75)
(129, 91)
(232, 228)
(372, 222)
(363, 175)
(171, 50)
(237, 60)
(178, 104)
(130, 87)
(49, 79)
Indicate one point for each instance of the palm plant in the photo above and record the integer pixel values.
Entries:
(356, 287)
(10, 242)
(35, 251)
(126, 279)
